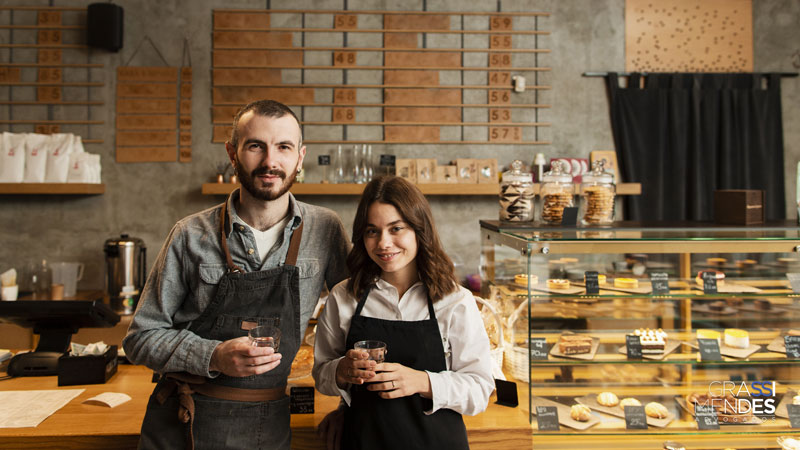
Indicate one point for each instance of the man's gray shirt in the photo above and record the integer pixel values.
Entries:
(191, 263)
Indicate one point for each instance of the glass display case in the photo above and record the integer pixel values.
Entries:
(681, 328)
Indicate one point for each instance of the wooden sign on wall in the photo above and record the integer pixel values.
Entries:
(689, 36)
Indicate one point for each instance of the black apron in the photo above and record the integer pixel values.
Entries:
(242, 301)
(375, 423)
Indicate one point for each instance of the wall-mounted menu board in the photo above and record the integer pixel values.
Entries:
(383, 76)
(46, 71)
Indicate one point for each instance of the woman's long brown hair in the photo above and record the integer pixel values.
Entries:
(435, 268)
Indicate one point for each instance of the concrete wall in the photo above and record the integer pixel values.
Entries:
(144, 200)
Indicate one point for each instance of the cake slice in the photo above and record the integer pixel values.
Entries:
(574, 344)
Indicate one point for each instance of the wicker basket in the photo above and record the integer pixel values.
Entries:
(517, 363)
(497, 353)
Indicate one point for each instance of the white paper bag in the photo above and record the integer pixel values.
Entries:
(77, 144)
(58, 158)
(79, 168)
(35, 157)
(12, 158)
(94, 164)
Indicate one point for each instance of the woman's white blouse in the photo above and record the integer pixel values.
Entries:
(467, 383)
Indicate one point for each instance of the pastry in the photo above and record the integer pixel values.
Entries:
(607, 399)
(628, 401)
(581, 413)
(737, 338)
(569, 260)
(746, 263)
(601, 279)
(574, 344)
(553, 204)
(790, 444)
(557, 283)
(708, 334)
(793, 332)
(656, 410)
(653, 341)
(716, 261)
(718, 305)
(599, 203)
(787, 261)
(734, 301)
(303, 362)
(522, 279)
(796, 400)
(717, 274)
(762, 304)
(726, 406)
(626, 283)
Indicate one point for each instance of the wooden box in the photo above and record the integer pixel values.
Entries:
(446, 174)
(467, 170)
(487, 171)
(406, 168)
(739, 206)
(426, 170)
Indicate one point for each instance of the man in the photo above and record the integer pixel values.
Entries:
(261, 257)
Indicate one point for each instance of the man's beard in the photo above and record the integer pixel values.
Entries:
(248, 181)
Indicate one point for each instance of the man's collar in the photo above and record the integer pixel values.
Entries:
(233, 216)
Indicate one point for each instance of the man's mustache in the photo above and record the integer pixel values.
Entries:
(265, 171)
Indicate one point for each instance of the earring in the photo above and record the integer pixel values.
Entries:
(299, 170)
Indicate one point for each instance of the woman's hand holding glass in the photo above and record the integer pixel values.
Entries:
(396, 380)
(355, 368)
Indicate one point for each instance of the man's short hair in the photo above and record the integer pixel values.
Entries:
(266, 108)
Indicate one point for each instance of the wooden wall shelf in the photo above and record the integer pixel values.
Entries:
(53, 188)
(427, 189)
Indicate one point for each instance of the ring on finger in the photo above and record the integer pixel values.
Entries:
(393, 385)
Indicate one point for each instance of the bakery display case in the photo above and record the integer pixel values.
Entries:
(649, 337)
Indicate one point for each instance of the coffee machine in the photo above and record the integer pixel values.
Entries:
(126, 262)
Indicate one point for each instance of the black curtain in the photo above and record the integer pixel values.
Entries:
(684, 135)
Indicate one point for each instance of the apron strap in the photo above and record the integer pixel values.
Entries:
(294, 246)
(362, 301)
(430, 308)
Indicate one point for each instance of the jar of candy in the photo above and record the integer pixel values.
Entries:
(516, 194)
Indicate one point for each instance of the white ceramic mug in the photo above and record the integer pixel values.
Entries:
(9, 293)
(68, 274)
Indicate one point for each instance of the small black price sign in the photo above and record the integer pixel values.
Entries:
(547, 418)
(633, 346)
(706, 417)
(538, 349)
(792, 346)
(635, 418)
(709, 350)
(592, 282)
(324, 160)
(660, 283)
(570, 217)
(709, 283)
(794, 415)
(301, 400)
(387, 160)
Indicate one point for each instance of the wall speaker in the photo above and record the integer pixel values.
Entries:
(104, 24)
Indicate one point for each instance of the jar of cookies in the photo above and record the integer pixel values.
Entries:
(556, 193)
(516, 194)
(597, 196)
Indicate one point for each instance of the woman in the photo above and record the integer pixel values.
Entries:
(402, 291)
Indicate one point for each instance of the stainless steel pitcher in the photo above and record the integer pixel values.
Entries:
(125, 272)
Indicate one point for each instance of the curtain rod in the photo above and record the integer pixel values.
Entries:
(627, 74)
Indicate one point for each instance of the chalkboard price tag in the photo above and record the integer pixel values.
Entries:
(709, 350)
(709, 283)
(794, 280)
(547, 418)
(792, 346)
(592, 282)
(570, 217)
(794, 415)
(633, 346)
(301, 400)
(706, 417)
(660, 283)
(506, 393)
(324, 160)
(635, 418)
(387, 160)
(539, 349)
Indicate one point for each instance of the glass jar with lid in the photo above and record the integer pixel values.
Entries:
(516, 194)
(597, 196)
(556, 192)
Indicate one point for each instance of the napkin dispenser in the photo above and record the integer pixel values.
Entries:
(89, 369)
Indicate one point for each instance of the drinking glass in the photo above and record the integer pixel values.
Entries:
(265, 336)
(376, 349)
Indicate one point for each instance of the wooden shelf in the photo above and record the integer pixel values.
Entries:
(53, 188)
(427, 189)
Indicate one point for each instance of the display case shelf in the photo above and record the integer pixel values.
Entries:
(52, 188)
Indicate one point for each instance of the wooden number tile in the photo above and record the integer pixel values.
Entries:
(49, 56)
(186, 107)
(501, 115)
(185, 154)
(251, 39)
(344, 59)
(221, 133)
(500, 60)
(246, 77)
(146, 122)
(257, 58)
(9, 74)
(49, 74)
(499, 79)
(145, 154)
(185, 122)
(505, 134)
(344, 114)
(500, 23)
(223, 114)
(411, 77)
(46, 128)
(186, 74)
(48, 37)
(145, 106)
(416, 22)
(146, 90)
(257, 20)
(420, 59)
(139, 138)
(497, 97)
(186, 90)
(422, 96)
(413, 134)
(48, 18)
(410, 114)
(500, 41)
(345, 21)
(161, 74)
(245, 95)
(401, 40)
(344, 96)
(48, 94)
(185, 138)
